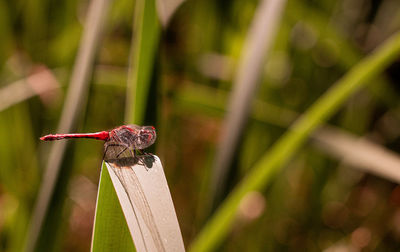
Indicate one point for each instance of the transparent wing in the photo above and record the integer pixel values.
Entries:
(138, 201)
(115, 150)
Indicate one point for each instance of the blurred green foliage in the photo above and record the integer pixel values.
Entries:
(316, 203)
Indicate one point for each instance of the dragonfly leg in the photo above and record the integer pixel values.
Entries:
(143, 153)
(105, 151)
(140, 159)
(146, 159)
(133, 153)
(141, 162)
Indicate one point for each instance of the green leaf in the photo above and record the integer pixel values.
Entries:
(110, 232)
(147, 215)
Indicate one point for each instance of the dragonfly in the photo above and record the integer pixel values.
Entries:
(123, 148)
(124, 138)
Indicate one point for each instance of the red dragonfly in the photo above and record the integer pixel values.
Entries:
(119, 140)
(122, 143)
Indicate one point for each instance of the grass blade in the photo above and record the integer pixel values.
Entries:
(260, 39)
(144, 45)
(148, 209)
(216, 229)
(21, 90)
(359, 153)
(110, 232)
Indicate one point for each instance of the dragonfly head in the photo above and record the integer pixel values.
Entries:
(145, 137)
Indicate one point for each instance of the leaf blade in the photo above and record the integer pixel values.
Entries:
(147, 205)
(110, 232)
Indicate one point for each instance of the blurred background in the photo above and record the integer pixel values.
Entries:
(325, 198)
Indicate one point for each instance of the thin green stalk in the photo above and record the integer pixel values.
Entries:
(144, 46)
(271, 163)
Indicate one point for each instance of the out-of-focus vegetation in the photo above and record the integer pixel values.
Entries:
(317, 201)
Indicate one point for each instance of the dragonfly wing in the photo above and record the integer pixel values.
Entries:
(115, 150)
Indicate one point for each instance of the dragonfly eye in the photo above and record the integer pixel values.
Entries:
(147, 136)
